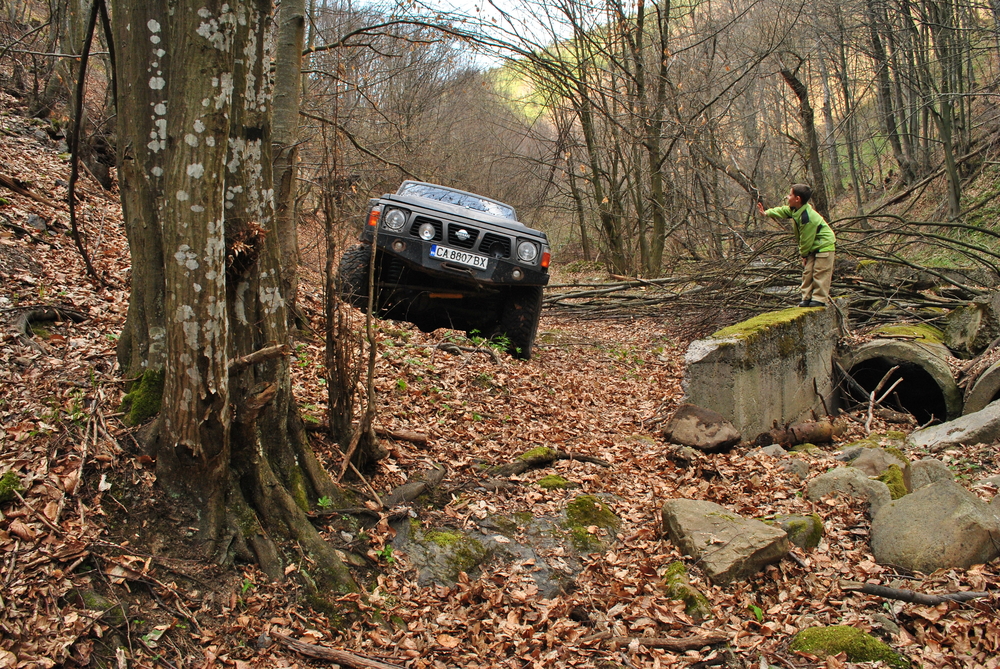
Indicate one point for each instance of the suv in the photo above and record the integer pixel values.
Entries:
(445, 258)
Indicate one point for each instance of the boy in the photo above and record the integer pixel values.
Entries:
(816, 244)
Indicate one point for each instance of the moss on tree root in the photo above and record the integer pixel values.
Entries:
(145, 398)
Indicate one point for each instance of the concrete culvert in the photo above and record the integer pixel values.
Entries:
(984, 390)
(928, 389)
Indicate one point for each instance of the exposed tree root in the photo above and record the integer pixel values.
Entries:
(338, 656)
(541, 458)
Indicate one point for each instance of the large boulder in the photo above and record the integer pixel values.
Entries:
(850, 482)
(727, 546)
(981, 427)
(700, 428)
(939, 526)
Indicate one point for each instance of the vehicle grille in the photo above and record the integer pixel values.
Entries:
(495, 246)
(420, 220)
(462, 243)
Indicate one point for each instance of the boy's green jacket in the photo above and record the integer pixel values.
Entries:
(815, 235)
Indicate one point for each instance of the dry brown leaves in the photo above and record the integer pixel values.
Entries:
(598, 388)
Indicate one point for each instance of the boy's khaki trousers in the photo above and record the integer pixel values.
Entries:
(817, 275)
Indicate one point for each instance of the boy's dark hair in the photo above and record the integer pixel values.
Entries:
(802, 191)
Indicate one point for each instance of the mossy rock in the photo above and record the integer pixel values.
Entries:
(9, 484)
(449, 553)
(145, 398)
(676, 586)
(587, 511)
(803, 531)
(805, 448)
(893, 477)
(555, 482)
(859, 647)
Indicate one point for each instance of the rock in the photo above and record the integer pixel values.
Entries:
(676, 586)
(886, 623)
(803, 531)
(37, 222)
(858, 646)
(774, 451)
(848, 453)
(440, 555)
(990, 481)
(981, 427)
(796, 467)
(969, 329)
(727, 545)
(700, 428)
(874, 461)
(41, 136)
(939, 526)
(925, 472)
(850, 482)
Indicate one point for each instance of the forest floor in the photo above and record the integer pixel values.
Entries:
(93, 569)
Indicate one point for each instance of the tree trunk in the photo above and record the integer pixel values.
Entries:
(807, 117)
(287, 97)
(229, 445)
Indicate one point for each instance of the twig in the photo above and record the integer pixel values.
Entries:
(40, 516)
(263, 354)
(670, 643)
(338, 656)
(871, 397)
(909, 595)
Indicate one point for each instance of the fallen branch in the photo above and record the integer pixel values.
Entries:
(909, 595)
(670, 643)
(542, 458)
(11, 184)
(331, 655)
(267, 353)
(402, 435)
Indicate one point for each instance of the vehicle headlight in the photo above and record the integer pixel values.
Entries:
(394, 220)
(526, 251)
(426, 231)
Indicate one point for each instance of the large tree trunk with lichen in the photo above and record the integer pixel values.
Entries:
(228, 441)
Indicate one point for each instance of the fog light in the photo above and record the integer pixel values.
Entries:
(517, 274)
(398, 246)
(426, 232)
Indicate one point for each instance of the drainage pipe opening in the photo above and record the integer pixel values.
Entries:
(927, 391)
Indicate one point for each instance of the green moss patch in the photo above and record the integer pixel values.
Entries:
(145, 399)
(753, 326)
(803, 531)
(585, 512)
(676, 586)
(921, 332)
(859, 647)
(893, 477)
(9, 484)
(541, 453)
(554, 482)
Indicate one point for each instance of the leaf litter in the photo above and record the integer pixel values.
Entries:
(94, 566)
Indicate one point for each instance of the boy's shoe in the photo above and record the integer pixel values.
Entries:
(804, 303)
(813, 303)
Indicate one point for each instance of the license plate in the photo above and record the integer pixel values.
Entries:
(460, 257)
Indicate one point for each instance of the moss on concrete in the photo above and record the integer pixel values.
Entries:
(921, 332)
(751, 328)
(893, 477)
(859, 647)
(9, 484)
(554, 482)
(145, 398)
(676, 586)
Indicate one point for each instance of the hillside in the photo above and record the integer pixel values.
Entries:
(97, 572)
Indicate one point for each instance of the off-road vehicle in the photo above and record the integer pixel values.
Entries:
(445, 258)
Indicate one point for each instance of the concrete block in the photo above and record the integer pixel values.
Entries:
(773, 367)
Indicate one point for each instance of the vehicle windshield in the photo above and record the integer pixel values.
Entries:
(466, 200)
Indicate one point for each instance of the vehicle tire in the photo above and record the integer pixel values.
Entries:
(353, 275)
(519, 320)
